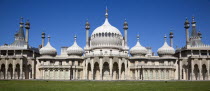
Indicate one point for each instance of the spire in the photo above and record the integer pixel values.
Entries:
(137, 37)
(75, 38)
(27, 24)
(187, 24)
(20, 33)
(165, 38)
(48, 38)
(106, 14)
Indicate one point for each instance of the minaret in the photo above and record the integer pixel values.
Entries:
(27, 31)
(43, 38)
(125, 27)
(187, 26)
(171, 34)
(194, 32)
(87, 27)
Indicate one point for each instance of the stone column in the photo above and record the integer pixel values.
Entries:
(73, 73)
(207, 69)
(49, 74)
(53, 74)
(92, 68)
(43, 70)
(86, 69)
(76, 74)
(200, 69)
(21, 68)
(6, 69)
(126, 69)
(32, 68)
(13, 69)
(192, 68)
(180, 72)
(185, 73)
(69, 73)
(136, 74)
(110, 68)
(120, 68)
(101, 66)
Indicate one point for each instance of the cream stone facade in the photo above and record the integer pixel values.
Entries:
(106, 56)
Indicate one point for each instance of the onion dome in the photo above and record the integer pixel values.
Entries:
(166, 50)
(138, 50)
(75, 50)
(106, 35)
(48, 50)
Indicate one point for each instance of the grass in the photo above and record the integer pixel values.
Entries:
(28, 85)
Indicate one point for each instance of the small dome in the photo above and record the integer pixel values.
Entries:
(166, 50)
(48, 49)
(138, 50)
(75, 49)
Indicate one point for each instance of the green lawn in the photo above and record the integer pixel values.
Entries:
(25, 85)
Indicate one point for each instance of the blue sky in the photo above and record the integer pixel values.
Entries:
(62, 19)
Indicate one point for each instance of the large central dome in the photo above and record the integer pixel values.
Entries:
(106, 35)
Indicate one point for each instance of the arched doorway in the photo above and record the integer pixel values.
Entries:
(89, 71)
(105, 71)
(204, 71)
(96, 72)
(2, 71)
(10, 71)
(196, 71)
(115, 71)
(24, 72)
(123, 71)
(17, 71)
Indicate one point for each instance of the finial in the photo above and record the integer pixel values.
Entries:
(193, 20)
(106, 15)
(48, 38)
(21, 20)
(27, 24)
(87, 25)
(187, 24)
(125, 25)
(165, 37)
(75, 37)
(137, 37)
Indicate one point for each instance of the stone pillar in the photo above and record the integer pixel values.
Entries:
(33, 68)
(6, 68)
(126, 71)
(136, 74)
(120, 69)
(69, 73)
(86, 69)
(110, 68)
(13, 69)
(200, 69)
(43, 70)
(180, 74)
(21, 68)
(53, 74)
(49, 74)
(101, 66)
(185, 73)
(76, 74)
(207, 69)
(92, 68)
(192, 68)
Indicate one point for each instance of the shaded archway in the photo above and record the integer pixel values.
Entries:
(106, 71)
(17, 71)
(115, 71)
(24, 72)
(96, 71)
(196, 71)
(10, 71)
(89, 71)
(29, 72)
(123, 71)
(204, 71)
(2, 71)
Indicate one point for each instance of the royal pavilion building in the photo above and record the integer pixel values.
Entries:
(106, 56)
